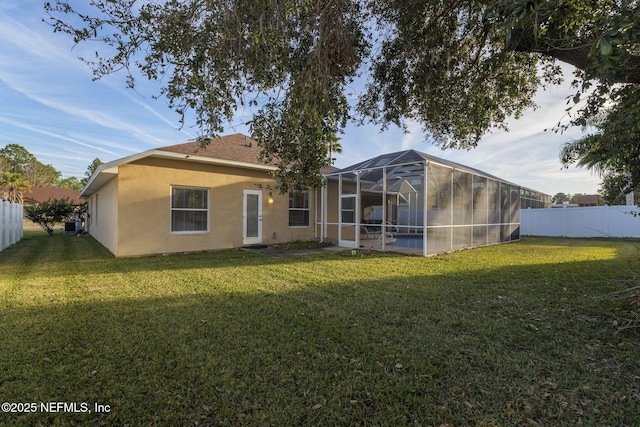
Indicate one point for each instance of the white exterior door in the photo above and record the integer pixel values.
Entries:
(252, 217)
(348, 220)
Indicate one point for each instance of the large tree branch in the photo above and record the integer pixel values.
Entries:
(577, 54)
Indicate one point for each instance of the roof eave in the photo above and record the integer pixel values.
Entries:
(107, 171)
(210, 160)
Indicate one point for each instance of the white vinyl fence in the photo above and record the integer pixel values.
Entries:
(10, 223)
(594, 221)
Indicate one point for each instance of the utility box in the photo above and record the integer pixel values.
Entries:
(73, 227)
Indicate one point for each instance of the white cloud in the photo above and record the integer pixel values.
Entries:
(53, 135)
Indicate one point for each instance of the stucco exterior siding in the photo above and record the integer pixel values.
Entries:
(103, 219)
(130, 200)
(332, 210)
(144, 207)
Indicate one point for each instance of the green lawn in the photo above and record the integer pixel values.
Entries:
(519, 334)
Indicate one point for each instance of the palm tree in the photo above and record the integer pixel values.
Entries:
(14, 184)
(334, 146)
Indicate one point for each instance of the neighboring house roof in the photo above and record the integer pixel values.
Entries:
(232, 150)
(42, 194)
(588, 200)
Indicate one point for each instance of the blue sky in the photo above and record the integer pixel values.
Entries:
(50, 105)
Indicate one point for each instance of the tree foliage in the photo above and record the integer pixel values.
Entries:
(560, 198)
(458, 67)
(72, 183)
(40, 175)
(52, 212)
(90, 170)
(615, 187)
(13, 185)
(20, 170)
(613, 149)
(16, 159)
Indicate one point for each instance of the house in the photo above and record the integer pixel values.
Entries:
(185, 198)
(588, 200)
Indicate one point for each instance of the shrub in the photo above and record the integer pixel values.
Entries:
(48, 214)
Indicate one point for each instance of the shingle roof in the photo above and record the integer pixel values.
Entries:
(329, 169)
(42, 194)
(236, 148)
(588, 199)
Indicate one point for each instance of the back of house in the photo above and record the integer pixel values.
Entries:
(187, 197)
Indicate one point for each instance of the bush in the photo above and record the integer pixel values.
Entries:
(48, 214)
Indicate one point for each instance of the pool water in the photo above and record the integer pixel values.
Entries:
(410, 242)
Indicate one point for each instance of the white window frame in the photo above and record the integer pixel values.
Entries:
(307, 209)
(172, 209)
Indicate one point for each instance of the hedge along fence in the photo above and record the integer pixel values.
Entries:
(594, 221)
(10, 223)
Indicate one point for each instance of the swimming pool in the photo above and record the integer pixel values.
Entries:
(407, 241)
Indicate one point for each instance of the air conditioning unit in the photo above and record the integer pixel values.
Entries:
(73, 227)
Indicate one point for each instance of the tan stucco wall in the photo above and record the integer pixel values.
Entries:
(144, 191)
(103, 221)
(333, 198)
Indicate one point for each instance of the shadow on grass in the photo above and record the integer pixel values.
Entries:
(511, 345)
(70, 255)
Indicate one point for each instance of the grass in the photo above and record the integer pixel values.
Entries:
(302, 244)
(519, 334)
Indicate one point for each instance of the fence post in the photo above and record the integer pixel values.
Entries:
(20, 221)
(11, 229)
(5, 224)
(12, 224)
(2, 218)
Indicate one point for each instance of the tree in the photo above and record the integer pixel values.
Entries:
(613, 150)
(40, 175)
(334, 147)
(90, 170)
(615, 187)
(459, 68)
(48, 214)
(560, 197)
(574, 198)
(14, 186)
(72, 182)
(17, 159)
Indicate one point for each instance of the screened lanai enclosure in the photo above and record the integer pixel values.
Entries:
(419, 204)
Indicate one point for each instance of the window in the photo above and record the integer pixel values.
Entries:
(189, 209)
(348, 209)
(298, 209)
